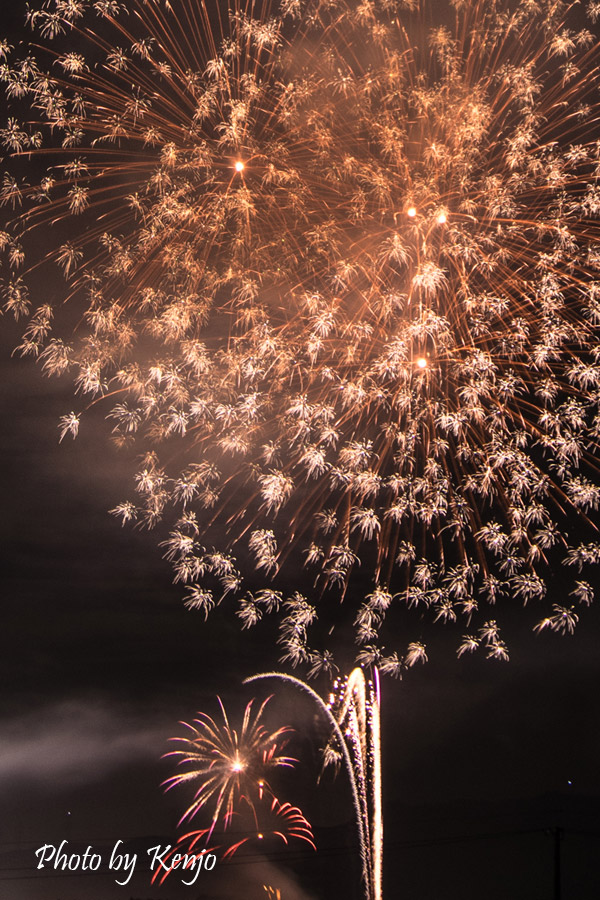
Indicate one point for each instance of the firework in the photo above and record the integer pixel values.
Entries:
(273, 820)
(356, 709)
(228, 764)
(352, 712)
(272, 893)
(232, 768)
(335, 273)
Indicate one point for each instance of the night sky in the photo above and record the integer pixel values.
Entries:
(99, 661)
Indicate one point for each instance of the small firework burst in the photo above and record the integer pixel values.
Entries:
(227, 763)
(232, 768)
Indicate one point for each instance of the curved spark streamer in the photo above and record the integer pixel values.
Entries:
(361, 715)
(290, 679)
(357, 729)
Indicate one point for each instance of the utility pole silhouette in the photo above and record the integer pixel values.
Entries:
(557, 832)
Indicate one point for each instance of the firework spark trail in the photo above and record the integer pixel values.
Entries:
(273, 820)
(376, 791)
(338, 266)
(360, 710)
(348, 763)
(357, 712)
(353, 715)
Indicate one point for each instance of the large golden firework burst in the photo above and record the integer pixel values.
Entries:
(336, 271)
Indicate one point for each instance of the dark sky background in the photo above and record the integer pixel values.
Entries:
(99, 660)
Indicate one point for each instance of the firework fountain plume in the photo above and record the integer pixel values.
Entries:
(352, 713)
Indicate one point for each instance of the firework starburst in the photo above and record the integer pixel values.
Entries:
(229, 764)
(335, 270)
